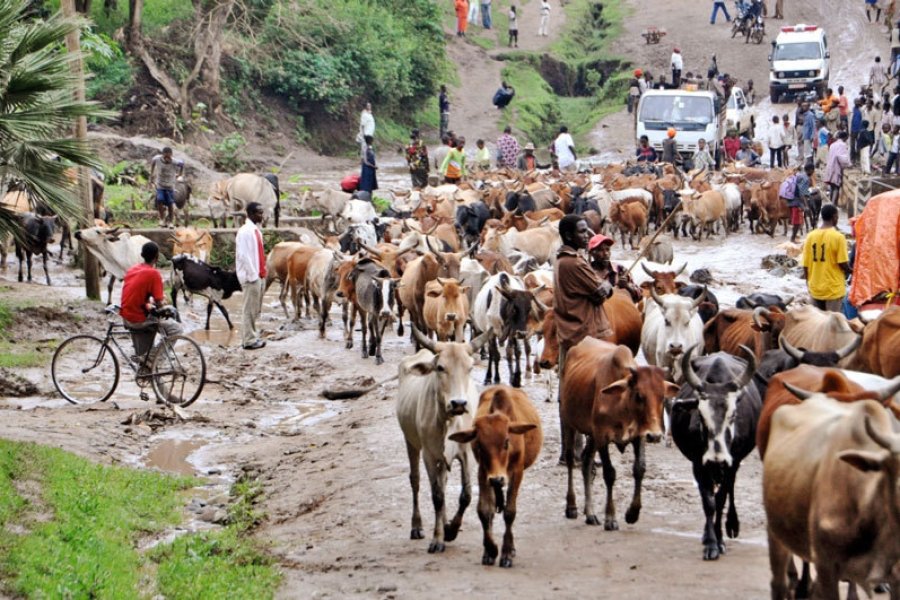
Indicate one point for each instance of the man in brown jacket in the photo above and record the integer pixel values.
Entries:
(578, 292)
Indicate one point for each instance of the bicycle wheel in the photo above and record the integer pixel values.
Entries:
(85, 369)
(178, 370)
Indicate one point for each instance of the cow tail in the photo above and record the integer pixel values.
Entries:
(277, 209)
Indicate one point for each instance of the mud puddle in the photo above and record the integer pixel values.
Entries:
(172, 456)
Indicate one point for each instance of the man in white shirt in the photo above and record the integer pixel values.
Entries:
(564, 147)
(544, 28)
(677, 66)
(775, 140)
(250, 264)
(366, 127)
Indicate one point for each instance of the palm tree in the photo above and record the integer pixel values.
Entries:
(38, 111)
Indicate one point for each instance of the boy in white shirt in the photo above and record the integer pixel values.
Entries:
(544, 28)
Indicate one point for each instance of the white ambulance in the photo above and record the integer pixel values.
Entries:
(800, 61)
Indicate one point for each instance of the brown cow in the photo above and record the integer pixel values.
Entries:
(411, 290)
(494, 262)
(880, 350)
(771, 208)
(277, 269)
(506, 439)
(297, 265)
(630, 216)
(609, 398)
(663, 281)
(446, 309)
(347, 291)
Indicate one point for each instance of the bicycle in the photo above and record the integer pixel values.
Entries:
(85, 368)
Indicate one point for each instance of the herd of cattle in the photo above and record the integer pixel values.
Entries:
(479, 257)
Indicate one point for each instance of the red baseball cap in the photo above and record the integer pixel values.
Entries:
(600, 239)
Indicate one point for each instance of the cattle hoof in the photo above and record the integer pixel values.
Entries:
(592, 520)
(571, 512)
(611, 525)
(632, 514)
(348, 345)
(379, 360)
(732, 528)
(506, 562)
(450, 532)
(416, 534)
(436, 547)
(487, 559)
(709, 553)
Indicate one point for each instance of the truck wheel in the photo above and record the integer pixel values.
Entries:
(773, 95)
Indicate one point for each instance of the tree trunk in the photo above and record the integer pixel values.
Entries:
(135, 22)
(91, 268)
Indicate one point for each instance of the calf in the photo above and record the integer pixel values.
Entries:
(446, 309)
(435, 398)
(200, 278)
(36, 234)
(609, 398)
(277, 269)
(506, 439)
(322, 283)
(714, 426)
(771, 208)
(375, 302)
(630, 216)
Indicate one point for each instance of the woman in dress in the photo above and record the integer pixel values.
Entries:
(367, 180)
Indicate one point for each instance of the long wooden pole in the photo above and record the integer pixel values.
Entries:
(91, 268)
(659, 230)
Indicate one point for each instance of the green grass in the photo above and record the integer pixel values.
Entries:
(157, 14)
(80, 523)
(21, 355)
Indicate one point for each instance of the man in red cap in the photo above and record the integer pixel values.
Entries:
(599, 249)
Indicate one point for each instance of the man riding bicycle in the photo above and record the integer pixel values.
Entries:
(142, 291)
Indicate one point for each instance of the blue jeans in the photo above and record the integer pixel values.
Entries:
(165, 197)
(486, 15)
(716, 7)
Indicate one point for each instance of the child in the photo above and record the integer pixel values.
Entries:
(822, 140)
(482, 156)
(513, 27)
(895, 150)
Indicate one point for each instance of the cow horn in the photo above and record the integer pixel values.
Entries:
(647, 271)
(750, 302)
(879, 438)
(788, 300)
(799, 392)
(422, 339)
(758, 312)
(681, 270)
(543, 221)
(787, 347)
(890, 390)
(700, 299)
(437, 255)
(751, 366)
(844, 352)
(541, 305)
(371, 251)
(688, 370)
(430, 231)
(656, 297)
(476, 343)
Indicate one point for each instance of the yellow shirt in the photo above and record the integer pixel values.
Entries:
(823, 251)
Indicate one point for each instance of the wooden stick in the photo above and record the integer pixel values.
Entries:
(661, 228)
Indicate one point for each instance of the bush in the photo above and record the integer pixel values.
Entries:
(226, 154)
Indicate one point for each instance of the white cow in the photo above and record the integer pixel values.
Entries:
(671, 326)
(231, 197)
(540, 242)
(358, 211)
(116, 250)
(436, 398)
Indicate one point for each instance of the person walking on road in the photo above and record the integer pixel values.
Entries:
(366, 127)
(870, 4)
(779, 9)
(775, 140)
(544, 28)
(802, 190)
(878, 76)
(444, 109)
(485, 13)
(838, 160)
(808, 132)
(826, 262)
(164, 172)
(473, 12)
(790, 139)
(462, 17)
(513, 27)
(368, 181)
(250, 266)
(564, 148)
(677, 63)
(717, 6)
(454, 167)
(417, 160)
(507, 149)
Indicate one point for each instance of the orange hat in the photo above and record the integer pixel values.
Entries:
(677, 49)
(599, 239)
(671, 132)
(638, 72)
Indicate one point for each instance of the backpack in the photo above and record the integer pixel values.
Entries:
(788, 188)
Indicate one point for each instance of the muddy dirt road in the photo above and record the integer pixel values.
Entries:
(335, 473)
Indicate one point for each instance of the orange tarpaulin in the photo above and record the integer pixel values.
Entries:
(876, 268)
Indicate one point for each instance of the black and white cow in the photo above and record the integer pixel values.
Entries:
(375, 299)
(714, 420)
(197, 277)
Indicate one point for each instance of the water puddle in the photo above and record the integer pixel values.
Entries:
(289, 418)
(172, 456)
(226, 337)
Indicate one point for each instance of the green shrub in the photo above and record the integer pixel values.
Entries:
(227, 153)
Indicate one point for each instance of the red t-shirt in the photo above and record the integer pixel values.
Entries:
(142, 282)
(262, 255)
(732, 145)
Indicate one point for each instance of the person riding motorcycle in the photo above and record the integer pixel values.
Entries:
(751, 16)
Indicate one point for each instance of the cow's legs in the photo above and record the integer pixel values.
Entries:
(399, 318)
(568, 444)
(437, 476)
(348, 313)
(224, 312)
(708, 500)
(721, 496)
(465, 497)
(779, 560)
(732, 524)
(827, 582)
(513, 349)
(363, 326)
(324, 308)
(509, 517)
(209, 307)
(587, 476)
(609, 478)
(282, 298)
(109, 289)
(529, 367)
(486, 508)
(378, 358)
(413, 453)
(640, 466)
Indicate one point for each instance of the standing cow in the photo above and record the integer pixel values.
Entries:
(231, 197)
(36, 234)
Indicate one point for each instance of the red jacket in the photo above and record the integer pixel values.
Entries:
(142, 282)
(732, 145)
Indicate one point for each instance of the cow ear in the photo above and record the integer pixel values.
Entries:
(423, 367)
(520, 428)
(671, 389)
(463, 437)
(864, 461)
(616, 387)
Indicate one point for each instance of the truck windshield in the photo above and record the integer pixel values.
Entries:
(686, 113)
(798, 51)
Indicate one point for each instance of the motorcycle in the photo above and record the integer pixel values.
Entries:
(739, 25)
(758, 30)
